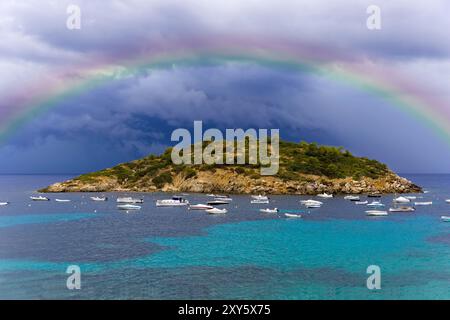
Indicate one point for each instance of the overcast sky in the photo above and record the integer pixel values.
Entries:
(128, 118)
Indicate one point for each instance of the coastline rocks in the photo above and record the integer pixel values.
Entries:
(226, 181)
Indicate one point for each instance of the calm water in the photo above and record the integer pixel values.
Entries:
(171, 253)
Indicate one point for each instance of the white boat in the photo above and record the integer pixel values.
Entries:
(313, 205)
(425, 203)
(375, 204)
(445, 218)
(448, 200)
(99, 198)
(402, 209)
(401, 200)
(411, 197)
(174, 202)
(39, 198)
(292, 215)
(275, 210)
(260, 197)
(310, 201)
(200, 206)
(211, 195)
(129, 200)
(361, 202)
(4, 203)
(325, 195)
(259, 201)
(227, 199)
(376, 213)
(62, 200)
(128, 207)
(217, 202)
(352, 198)
(216, 211)
(221, 196)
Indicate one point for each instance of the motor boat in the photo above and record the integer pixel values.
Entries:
(312, 205)
(4, 203)
(63, 200)
(375, 204)
(325, 195)
(445, 218)
(200, 206)
(425, 203)
(401, 200)
(411, 197)
(374, 195)
(275, 210)
(361, 202)
(211, 195)
(259, 201)
(402, 209)
(99, 198)
(39, 198)
(216, 211)
(260, 197)
(292, 215)
(217, 202)
(376, 213)
(448, 200)
(311, 201)
(352, 198)
(174, 202)
(128, 206)
(129, 200)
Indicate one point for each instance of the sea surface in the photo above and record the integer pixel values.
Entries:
(173, 253)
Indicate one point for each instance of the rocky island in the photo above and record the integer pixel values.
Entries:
(304, 168)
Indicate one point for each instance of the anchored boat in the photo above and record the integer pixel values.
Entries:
(129, 200)
(275, 210)
(39, 198)
(99, 198)
(128, 207)
(174, 202)
(216, 211)
(200, 206)
(376, 213)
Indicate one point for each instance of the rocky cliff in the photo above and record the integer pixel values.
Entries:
(304, 169)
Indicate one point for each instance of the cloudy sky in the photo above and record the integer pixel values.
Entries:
(132, 116)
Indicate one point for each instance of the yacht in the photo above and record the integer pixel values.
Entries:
(375, 204)
(325, 195)
(200, 206)
(374, 195)
(99, 198)
(174, 202)
(352, 198)
(425, 203)
(259, 201)
(292, 215)
(275, 210)
(62, 200)
(260, 197)
(445, 218)
(402, 209)
(129, 200)
(128, 207)
(448, 200)
(217, 202)
(39, 198)
(310, 201)
(401, 200)
(216, 211)
(411, 197)
(4, 203)
(361, 202)
(376, 213)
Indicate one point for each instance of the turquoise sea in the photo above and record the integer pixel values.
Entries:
(173, 253)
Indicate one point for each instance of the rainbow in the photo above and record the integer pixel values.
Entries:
(399, 92)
